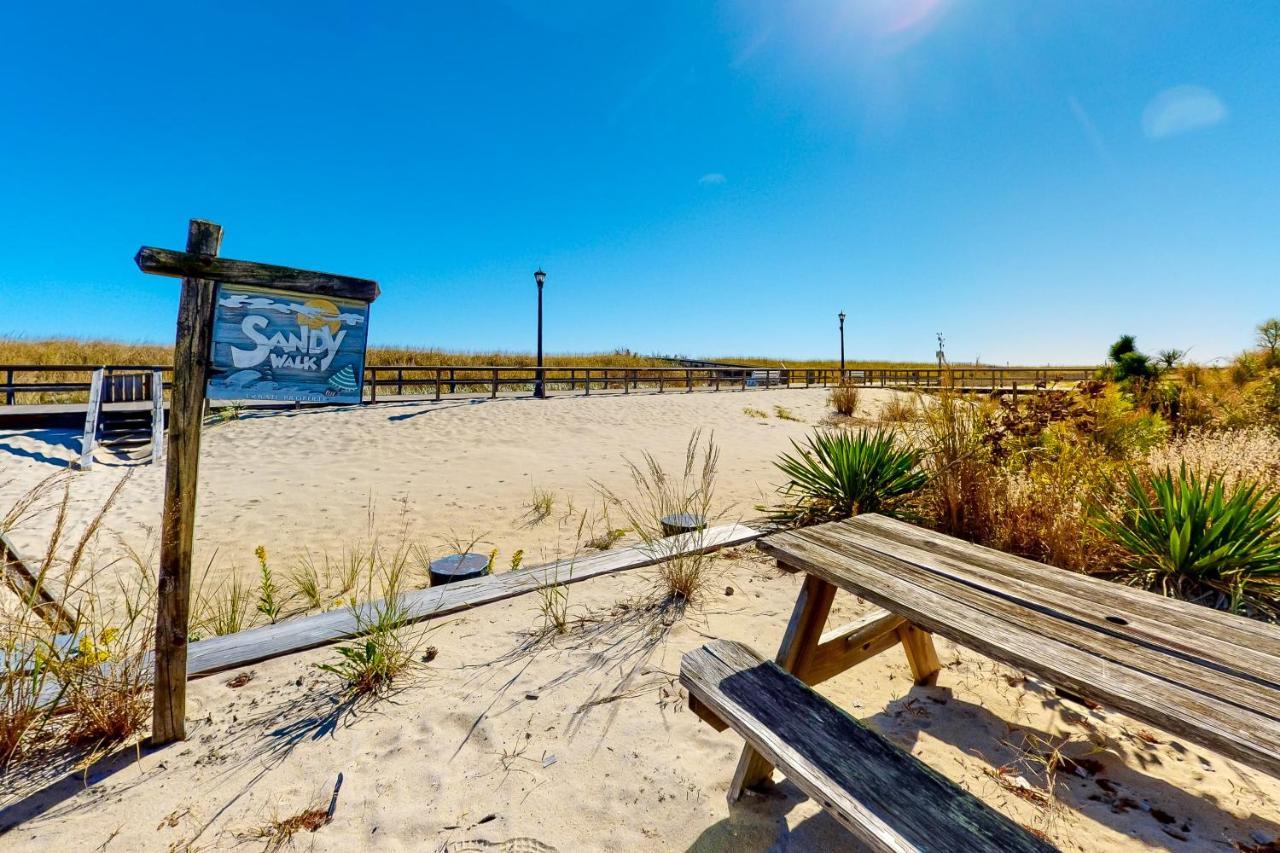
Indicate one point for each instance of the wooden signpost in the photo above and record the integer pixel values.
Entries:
(202, 272)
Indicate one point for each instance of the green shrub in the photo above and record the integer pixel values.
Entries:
(839, 474)
(1188, 537)
(1122, 429)
(1127, 362)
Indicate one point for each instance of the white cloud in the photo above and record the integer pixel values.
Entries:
(1180, 110)
(712, 178)
(1090, 129)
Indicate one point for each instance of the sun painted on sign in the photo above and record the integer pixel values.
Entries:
(280, 345)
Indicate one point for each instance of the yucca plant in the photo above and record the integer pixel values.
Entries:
(839, 474)
(1192, 538)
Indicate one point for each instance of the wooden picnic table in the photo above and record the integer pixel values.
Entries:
(1198, 673)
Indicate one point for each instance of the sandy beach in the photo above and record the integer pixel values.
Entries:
(322, 480)
(584, 742)
(511, 739)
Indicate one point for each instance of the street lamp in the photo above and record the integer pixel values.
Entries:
(539, 390)
(841, 347)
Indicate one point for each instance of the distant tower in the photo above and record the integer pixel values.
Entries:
(941, 353)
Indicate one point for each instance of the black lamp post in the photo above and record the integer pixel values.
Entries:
(841, 347)
(539, 390)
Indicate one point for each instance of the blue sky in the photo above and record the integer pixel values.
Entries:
(1030, 178)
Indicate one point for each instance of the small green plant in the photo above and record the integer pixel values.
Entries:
(1168, 359)
(753, 412)
(839, 474)
(268, 593)
(225, 613)
(228, 413)
(1269, 339)
(493, 558)
(306, 580)
(607, 539)
(1192, 538)
(380, 653)
(516, 559)
(352, 563)
(1128, 363)
(682, 575)
(785, 414)
(540, 507)
(553, 605)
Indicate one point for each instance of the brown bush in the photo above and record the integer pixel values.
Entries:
(844, 399)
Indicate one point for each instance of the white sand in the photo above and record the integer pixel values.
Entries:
(560, 745)
(582, 742)
(464, 469)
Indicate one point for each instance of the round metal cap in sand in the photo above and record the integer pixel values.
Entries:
(458, 567)
(682, 522)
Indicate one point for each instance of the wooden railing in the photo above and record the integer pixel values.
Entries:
(43, 383)
(70, 383)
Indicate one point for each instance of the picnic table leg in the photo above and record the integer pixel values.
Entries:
(921, 655)
(807, 620)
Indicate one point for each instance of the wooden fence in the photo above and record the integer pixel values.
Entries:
(34, 384)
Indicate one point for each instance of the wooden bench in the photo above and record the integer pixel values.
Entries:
(1209, 677)
(888, 799)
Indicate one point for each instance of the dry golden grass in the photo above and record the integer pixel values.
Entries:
(900, 409)
(98, 661)
(1251, 454)
(658, 494)
(278, 832)
(844, 400)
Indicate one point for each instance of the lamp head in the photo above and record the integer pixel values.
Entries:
(539, 276)
(841, 316)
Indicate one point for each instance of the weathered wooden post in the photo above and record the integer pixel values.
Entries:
(182, 462)
(304, 369)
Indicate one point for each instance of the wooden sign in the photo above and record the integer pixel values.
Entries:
(271, 344)
(245, 330)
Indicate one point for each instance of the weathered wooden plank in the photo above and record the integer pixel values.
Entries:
(27, 584)
(1247, 634)
(1211, 721)
(1089, 632)
(1142, 620)
(177, 526)
(702, 712)
(845, 647)
(795, 654)
(294, 635)
(308, 632)
(1258, 694)
(195, 264)
(921, 655)
(157, 417)
(90, 438)
(889, 800)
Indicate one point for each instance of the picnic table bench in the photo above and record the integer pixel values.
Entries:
(1201, 674)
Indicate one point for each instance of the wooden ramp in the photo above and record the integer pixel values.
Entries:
(127, 431)
(307, 632)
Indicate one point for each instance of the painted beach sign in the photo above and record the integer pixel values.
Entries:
(273, 344)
